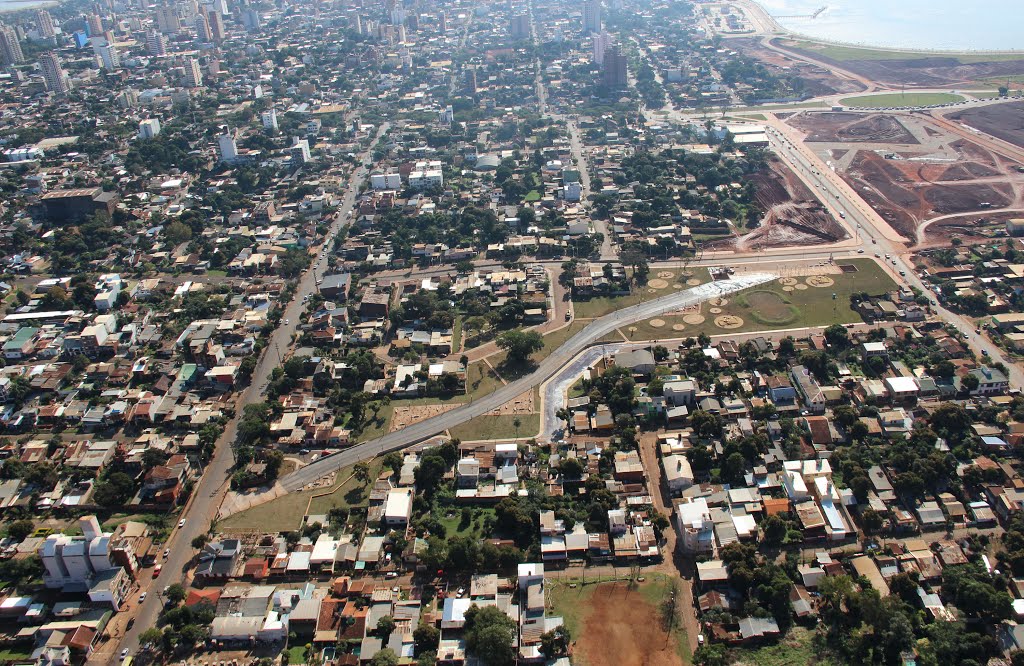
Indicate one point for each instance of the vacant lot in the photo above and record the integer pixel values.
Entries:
(286, 512)
(1002, 121)
(662, 286)
(614, 624)
(901, 99)
(497, 427)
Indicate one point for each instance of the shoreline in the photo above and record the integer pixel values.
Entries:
(11, 6)
(753, 7)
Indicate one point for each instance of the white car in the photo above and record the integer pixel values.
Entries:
(142, 597)
(124, 653)
(181, 523)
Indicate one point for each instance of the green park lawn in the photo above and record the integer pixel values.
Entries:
(901, 99)
(497, 427)
(598, 307)
(770, 307)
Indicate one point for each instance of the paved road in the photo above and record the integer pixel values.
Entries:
(545, 369)
(212, 486)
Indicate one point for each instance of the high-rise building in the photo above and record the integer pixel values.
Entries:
(269, 118)
(10, 47)
(216, 23)
(109, 57)
(592, 16)
(193, 75)
(202, 26)
(149, 128)
(44, 22)
(94, 24)
(442, 22)
(251, 19)
(519, 26)
(613, 70)
(228, 147)
(167, 20)
(128, 99)
(156, 43)
(602, 41)
(300, 150)
(54, 77)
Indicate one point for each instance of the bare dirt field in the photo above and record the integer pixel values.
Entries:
(817, 81)
(934, 71)
(406, 416)
(623, 628)
(969, 228)
(853, 128)
(793, 214)
(522, 404)
(910, 169)
(1003, 121)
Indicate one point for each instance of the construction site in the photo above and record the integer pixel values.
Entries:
(912, 169)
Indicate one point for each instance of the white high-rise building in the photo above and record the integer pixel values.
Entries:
(228, 147)
(167, 20)
(300, 148)
(156, 43)
(149, 128)
(193, 75)
(109, 57)
(592, 16)
(54, 77)
(269, 119)
(602, 41)
(44, 23)
(10, 47)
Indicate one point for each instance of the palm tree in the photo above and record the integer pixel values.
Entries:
(517, 422)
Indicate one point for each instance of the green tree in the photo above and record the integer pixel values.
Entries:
(426, 638)
(520, 344)
(20, 529)
(385, 657)
(176, 593)
(385, 625)
(490, 635)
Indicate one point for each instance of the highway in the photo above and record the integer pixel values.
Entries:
(211, 487)
(594, 331)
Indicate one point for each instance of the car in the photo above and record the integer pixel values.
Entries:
(181, 523)
(285, 322)
(700, 639)
(978, 331)
(887, 256)
(984, 352)
(124, 653)
(167, 552)
(142, 597)
(391, 574)
(860, 251)
(903, 273)
(568, 316)
(459, 592)
(157, 569)
(893, 262)
(878, 255)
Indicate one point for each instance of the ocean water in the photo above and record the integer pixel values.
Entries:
(15, 5)
(977, 25)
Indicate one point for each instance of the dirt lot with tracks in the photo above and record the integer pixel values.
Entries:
(911, 170)
(1003, 121)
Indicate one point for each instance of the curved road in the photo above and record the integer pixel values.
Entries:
(548, 367)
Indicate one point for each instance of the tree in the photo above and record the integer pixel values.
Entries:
(836, 335)
(555, 643)
(520, 344)
(711, 655)
(385, 625)
(151, 637)
(361, 472)
(426, 638)
(430, 472)
(176, 593)
(199, 541)
(20, 529)
(114, 491)
(490, 635)
(385, 657)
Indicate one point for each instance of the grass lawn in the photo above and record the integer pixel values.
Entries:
(214, 272)
(901, 99)
(769, 307)
(795, 649)
(533, 195)
(497, 427)
(297, 654)
(598, 307)
(285, 513)
(14, 655)
(843, 53)
(454, 526)
(376, 426)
